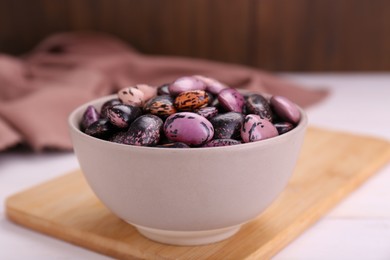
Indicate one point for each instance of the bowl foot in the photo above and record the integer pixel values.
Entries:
(187, 238)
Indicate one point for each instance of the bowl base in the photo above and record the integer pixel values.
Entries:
(187, 238)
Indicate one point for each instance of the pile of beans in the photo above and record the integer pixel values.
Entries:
(192, 111)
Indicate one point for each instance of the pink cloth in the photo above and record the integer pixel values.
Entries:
(39, 90)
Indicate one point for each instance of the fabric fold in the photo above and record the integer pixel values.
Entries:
(40, 89)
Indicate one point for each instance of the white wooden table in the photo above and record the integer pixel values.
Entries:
(358, 228)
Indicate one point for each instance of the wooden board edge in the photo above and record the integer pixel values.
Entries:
(315, 213)
(69, 235)
(345, 132)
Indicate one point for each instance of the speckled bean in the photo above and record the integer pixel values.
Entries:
(163, 89)
(108, 104)
(131, 96)
(227, 125)
(212, 85)
(207, 112)
(221, 142)
(160, 106)
(122, 115)
(189, 128)
(90, 116)
(102, 129)
(149, 91)
(144, 131)
(258, 105)
(191, 100)
(231, 100)
(185, 84)
(283, 127)
(285, 109)
(255, 129)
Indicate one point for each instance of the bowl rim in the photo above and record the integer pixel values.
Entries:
(73, 126)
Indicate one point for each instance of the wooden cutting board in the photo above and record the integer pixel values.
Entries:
(331, 165)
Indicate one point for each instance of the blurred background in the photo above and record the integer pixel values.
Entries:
(278, 35)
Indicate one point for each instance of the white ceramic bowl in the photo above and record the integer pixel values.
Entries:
(188, 196)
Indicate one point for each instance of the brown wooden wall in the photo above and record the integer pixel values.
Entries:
(280, 35)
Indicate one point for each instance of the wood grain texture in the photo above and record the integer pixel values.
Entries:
(331, 165)
(279, 35)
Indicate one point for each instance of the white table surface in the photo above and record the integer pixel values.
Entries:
(358, 228)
